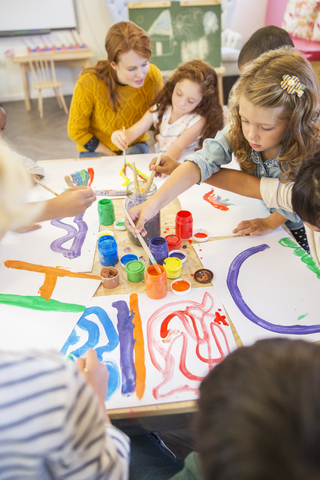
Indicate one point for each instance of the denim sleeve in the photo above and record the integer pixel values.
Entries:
(214, 153)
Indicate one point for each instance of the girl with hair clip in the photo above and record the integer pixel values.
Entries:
(115, 93)
(184, 113)
(274, 126)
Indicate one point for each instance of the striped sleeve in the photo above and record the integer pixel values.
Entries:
(52, 424)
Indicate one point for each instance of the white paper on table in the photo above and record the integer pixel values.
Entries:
(27, 328)
(164, 381)
(273, 283)
(106, 171)
(36, 246)
(229, 210)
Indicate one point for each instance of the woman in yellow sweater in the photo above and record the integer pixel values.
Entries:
(115, 93)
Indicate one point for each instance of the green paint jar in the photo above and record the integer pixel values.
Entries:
(135, 271)
(106, 212)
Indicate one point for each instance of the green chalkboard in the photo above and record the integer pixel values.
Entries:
(180, 31)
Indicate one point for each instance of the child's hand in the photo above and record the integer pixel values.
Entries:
(95, 372)
(140, 215)
(72, 202)
(119, 139)
(35, 177)
(166, 166)
(257, 226)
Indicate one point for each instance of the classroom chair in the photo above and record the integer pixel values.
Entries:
(44, 76)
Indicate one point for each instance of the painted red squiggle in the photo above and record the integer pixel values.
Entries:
(210, 198)
(200, 324)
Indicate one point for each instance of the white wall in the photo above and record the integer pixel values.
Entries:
(94, 20)
(248, 16)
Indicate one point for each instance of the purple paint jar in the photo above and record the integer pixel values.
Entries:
(152, 226)
(159, 249)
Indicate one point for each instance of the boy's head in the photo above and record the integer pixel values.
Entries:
(3, 119)
(306, 193)
(264, 39)
(259, 413)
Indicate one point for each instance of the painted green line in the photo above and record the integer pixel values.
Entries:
(40, 303)
(300, 252)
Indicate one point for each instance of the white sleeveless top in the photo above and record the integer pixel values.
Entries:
(170, 132)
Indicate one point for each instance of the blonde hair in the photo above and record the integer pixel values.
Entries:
(260, 84)
(121, 38)
(15, 183)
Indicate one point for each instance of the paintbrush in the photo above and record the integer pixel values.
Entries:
(124, 153)
(45, 186)
(68, 180)
(150, 180)
(135, 178)
(143, 243)
(111, 193)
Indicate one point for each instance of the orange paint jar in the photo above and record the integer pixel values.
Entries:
(156, 285)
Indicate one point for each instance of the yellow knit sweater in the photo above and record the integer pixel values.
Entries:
(92, 116)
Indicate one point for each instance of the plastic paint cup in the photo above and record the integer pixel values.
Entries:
(181, 287)
(106, 211)
(184, 224)
(119, 224)
(159, 249)
(156, 285)
(173, 267)
(105, 232)
(108, 251)
(109, 277)
(174, 242)
(201, 235)
(178, 254)
(135, 271)
(127, 258)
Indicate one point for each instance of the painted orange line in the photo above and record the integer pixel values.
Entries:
(51, 275)
(138, 347)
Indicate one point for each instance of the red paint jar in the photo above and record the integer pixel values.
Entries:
(156, 285)
(174, 242)
(184, 223)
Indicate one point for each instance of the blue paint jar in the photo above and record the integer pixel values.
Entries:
(108, 251)
(159, 249)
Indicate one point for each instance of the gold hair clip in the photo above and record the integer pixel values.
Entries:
(292, 85)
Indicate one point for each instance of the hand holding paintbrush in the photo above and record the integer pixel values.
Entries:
(143, 243)
(150, 180)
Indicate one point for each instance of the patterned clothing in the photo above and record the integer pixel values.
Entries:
(92, 119)
(170, 132)
(52, 425)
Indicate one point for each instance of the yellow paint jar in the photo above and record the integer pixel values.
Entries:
(172, 267)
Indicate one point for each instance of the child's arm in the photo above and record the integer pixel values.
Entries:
(180, 180)
(260, 226)
(69, 203)
(236, 181)
(186, 138)
(247, 185)
(123, 139)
